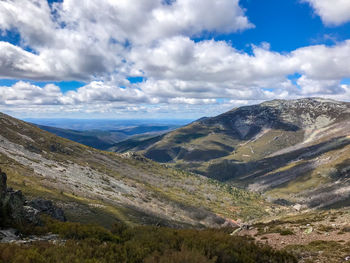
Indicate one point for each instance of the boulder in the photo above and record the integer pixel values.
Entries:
(47, 207)
(13, 203)
(9, 235)
(32, 215)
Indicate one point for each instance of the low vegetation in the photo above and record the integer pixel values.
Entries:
(90, 243)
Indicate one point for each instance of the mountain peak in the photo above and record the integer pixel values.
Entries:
(302, 102)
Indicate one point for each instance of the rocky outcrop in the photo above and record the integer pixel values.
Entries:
(3, 179)
(15, 210)
(13, 236)
(47, 207)
(11, 203)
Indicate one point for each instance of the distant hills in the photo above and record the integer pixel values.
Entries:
(105, 139)
(292, 150)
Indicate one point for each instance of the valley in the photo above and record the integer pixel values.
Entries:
(103, 134)
(274, 173)
(122, 187)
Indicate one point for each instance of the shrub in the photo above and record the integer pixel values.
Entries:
(346, 228)
(90, 243)
(285, 232)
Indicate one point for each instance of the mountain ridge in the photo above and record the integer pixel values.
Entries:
(275, 148)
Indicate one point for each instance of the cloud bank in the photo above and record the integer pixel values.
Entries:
(103, 43)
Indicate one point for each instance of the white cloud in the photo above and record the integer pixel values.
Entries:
(322, 62)
(98, 92)
(23, 93)
(180, 64)
(312, 87)
(332, 12)
(180, 71)
(192, 101)
(89, 40)
(142, 21)
(179, 67)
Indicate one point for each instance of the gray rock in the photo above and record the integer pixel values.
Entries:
(13, 203)
(32, 215)
(9, 235)
(47, 207)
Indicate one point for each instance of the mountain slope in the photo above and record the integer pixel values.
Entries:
(95, 186)
(297, 150)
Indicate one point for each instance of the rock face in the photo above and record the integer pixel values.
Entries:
(11, 203)
(14, 209)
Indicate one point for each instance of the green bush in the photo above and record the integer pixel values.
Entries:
(285, 232)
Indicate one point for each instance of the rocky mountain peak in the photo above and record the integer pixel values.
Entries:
(284, 114)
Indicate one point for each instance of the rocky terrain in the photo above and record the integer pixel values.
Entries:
(296, 152)
(16, 211)
(93, 186)
(318, 236)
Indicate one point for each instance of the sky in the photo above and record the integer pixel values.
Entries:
(172, 59)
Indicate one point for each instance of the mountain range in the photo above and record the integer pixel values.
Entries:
(295, 152)
(104, 139)
(251, 181)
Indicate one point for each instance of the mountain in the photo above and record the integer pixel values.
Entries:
(104, 139)
(297, 151)
(104, 187)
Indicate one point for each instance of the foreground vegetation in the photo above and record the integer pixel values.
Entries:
(90, 243)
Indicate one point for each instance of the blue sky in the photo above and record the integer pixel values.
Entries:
(286, 25)
(181, 59)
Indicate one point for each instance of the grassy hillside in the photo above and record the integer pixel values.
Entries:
(101, 187)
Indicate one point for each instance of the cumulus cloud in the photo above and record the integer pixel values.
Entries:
(24, 93)
(322, 62)
(96, 92)
(209, 69)
(333, 13)
(90, 39)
